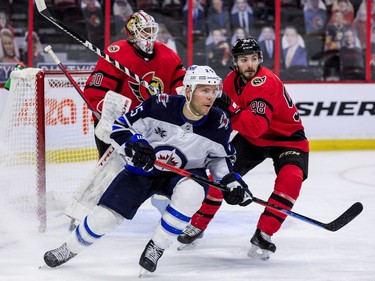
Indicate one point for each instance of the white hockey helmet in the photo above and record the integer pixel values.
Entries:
(142, 30)
(202, 75)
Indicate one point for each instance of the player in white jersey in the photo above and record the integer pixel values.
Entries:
(182, 130)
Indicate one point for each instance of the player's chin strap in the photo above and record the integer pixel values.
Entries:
(195, 115)
(335, 225)
(188, 101)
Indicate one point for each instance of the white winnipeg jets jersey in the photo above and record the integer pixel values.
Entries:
(177, 141)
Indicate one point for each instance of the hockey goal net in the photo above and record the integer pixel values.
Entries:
(46, 143)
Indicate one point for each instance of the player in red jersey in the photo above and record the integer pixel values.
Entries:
(152, 61)
(268, 126)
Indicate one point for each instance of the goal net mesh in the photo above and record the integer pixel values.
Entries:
(46, 142)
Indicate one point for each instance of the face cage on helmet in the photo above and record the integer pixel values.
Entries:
(145, 35)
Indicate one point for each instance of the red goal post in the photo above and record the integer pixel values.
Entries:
(47, 143)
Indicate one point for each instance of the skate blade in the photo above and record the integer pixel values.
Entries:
(258, 254)
(142, 272)
(43, 266)
(183, 247)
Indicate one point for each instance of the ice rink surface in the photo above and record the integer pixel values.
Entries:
(304, 252)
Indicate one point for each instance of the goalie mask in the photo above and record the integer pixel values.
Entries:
(142, 30)
(202, 75)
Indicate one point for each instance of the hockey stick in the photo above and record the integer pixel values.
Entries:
(334, 225)
(110, 97)
(48, 49)
(42, 9)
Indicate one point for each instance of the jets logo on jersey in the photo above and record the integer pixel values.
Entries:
(258, 81)
(163, 99)
(161, 132)
(141, 92)
(113, 48)
(171, 156)
(224, 121)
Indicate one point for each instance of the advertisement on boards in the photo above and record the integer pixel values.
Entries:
(335, 111)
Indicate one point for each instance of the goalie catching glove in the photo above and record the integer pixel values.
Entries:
(224, 102)
(140, 152)
(238, 191)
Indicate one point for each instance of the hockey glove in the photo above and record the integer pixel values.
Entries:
(141, 152)
(238, 191)
(225, 103)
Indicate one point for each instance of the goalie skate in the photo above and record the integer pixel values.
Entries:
(58, 256)
(261, 246)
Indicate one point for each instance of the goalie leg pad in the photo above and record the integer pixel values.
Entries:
(87, 195)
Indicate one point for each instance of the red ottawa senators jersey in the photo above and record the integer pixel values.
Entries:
(163, 70)
(268, 116)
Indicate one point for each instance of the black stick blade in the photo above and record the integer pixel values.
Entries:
(345, 218)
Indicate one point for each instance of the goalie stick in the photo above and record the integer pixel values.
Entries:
(334, 225)
(111, 104)
(42, 9)
(48, 49)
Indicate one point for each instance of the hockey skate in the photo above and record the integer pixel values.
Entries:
(189, 236)
(58, 256)
(72, 225)
(261, 246)
(149, 258)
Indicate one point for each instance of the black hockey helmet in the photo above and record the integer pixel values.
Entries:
(245, 47)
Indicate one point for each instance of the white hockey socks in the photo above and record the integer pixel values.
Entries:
(92, 228)
(186, 200)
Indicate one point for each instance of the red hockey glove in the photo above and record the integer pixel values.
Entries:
(238, 191)
(224, 102)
